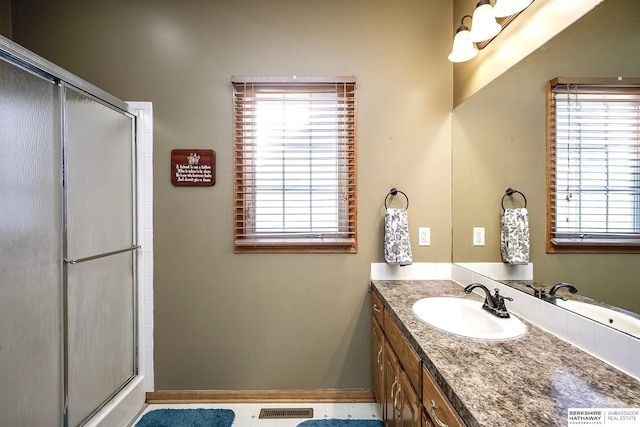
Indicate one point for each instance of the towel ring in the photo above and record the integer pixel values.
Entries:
(394, 191)
(509, 193)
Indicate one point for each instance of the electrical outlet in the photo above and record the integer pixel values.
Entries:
(424, 236)
(478, 236)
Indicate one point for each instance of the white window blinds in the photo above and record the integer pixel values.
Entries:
(295, 165)
(595, 161)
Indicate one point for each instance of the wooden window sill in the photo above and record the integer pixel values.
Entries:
(283, 245)
(596, 246)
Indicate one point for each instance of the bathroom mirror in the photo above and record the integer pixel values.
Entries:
(499, 142)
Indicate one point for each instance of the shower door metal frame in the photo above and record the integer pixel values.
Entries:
(71, 262)
(36, 64)
(22, 58)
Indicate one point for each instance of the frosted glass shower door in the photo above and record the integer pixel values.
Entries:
(99, 256)
(30, 250)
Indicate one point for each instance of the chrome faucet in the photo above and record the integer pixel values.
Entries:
(494, 304)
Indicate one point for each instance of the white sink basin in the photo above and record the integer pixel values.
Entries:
(613, 318)
(466, 318)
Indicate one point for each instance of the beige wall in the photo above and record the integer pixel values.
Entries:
(226, 321)
(499, 142)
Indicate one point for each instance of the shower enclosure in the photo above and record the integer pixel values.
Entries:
(69, 249)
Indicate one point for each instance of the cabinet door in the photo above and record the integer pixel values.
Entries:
(391, 367)
(409, 403)
(377, 367)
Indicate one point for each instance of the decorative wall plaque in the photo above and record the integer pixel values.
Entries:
(193, 168)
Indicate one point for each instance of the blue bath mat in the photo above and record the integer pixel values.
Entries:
(333, 422)
(187, 418)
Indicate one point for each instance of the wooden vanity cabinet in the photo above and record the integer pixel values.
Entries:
(377, 351)
(407, 394)
(396, 389)
(377, 309)
(391, 369)
(402, 407)
(409, 405)
(409, 359)
(377, 367)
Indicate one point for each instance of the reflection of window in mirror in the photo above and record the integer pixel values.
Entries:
(593, 165)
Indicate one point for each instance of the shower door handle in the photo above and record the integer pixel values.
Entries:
(89, 258)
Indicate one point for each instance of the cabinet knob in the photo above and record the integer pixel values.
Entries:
(375, 308)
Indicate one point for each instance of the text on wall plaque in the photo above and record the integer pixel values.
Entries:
(193, 167)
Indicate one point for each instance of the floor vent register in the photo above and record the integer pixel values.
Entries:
(271, 413)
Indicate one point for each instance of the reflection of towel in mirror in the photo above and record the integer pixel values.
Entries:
(514, 236)
(397, 248)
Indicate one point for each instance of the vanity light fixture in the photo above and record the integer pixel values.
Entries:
(484, 25)
(504, 8)
(463, 48)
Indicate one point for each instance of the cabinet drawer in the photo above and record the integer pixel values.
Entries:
(377, 309)
(436, 404)
(406, 354)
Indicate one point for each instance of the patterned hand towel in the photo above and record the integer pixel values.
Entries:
(514, 236)
(397, 248)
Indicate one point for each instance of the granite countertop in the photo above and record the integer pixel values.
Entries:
(529, 381)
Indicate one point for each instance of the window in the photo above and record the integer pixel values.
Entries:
(295, 165)
(593, 165)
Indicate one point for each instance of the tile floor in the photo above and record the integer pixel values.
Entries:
(247, 413)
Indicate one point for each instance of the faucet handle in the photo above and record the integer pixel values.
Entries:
(500, 306)
(500, 297)
(537, 292)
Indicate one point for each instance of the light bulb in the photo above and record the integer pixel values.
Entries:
(504, 8)
(484, 25)
(463, 48)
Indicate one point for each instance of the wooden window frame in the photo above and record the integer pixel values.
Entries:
(245, 239)
(577, 244)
